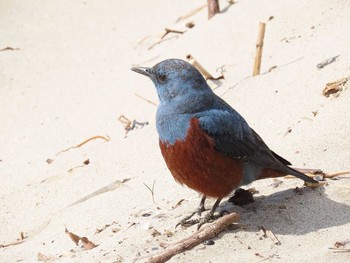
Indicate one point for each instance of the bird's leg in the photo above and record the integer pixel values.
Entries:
(200, 209)
(187, 221)
(210, 215)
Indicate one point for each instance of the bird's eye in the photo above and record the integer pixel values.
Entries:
(162, 78)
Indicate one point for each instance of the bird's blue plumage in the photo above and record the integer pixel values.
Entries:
(184, 96)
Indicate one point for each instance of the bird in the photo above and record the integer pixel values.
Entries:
(206, 144)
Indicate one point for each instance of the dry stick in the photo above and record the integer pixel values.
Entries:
(8, 48)
(168, 30)
(213, 8)
(12, 243)
(107, 139)
(207, 232)
(147, 100)
(259, 49)
(202, 70)
(160, 41)
(193, 12)
(331, 175)
(271, 235)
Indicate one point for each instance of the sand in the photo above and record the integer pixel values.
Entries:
(69, 79)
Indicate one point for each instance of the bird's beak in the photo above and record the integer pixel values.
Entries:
(143, 70)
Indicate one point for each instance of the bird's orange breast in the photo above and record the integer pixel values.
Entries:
(196, 163)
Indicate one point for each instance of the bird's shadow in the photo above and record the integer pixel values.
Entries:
(292, 212)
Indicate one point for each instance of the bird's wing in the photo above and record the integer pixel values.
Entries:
(233, 137)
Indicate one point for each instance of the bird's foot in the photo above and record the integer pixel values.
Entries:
(199, 221)
(186, 221)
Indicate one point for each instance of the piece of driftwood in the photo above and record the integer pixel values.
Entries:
(259, 49)
(207, 232)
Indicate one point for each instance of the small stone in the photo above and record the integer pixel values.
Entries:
(209, 242)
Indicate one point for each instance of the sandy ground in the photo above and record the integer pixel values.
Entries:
(69, 79)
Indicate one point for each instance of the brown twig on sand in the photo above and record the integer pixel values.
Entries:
(147, 100)
(259, 49)
(130, 125)
(12, 243)
(168, 30)
(86, 162)
(201, 69)
(107, 139)
(193, 12)
(19, 241)
(8, 48)
(205, 233)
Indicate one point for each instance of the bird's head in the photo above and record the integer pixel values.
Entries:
(180, 86)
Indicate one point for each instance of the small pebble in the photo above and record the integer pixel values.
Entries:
(209, 242)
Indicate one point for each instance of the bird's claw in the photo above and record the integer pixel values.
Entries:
(187, 221)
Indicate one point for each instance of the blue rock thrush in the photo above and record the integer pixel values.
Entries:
(206, 144)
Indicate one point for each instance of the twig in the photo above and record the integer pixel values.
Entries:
(168, 30)
(201, 69)
(331, 175)
(8, 48)
(143, 39)
(340, 250)
(312, 174)
(207, 232)
(236, 84)
(151, 190)
(193, 12)
(75, 167)
(107, 139)
(147, 100)
(259, 49)
(12, 243)
(271, 235)
(160, 41)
